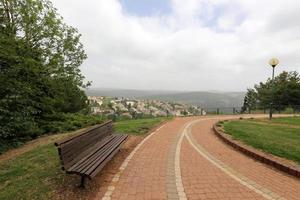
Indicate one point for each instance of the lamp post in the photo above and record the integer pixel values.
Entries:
(273, 62)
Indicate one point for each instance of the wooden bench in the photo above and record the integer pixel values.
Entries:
(87, 153)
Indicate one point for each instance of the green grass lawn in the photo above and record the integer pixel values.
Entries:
(282, 141)
(33, 175)
(287, 120)
(37, 173)
(138, 126)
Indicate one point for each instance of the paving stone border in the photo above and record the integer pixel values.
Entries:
(174, 185)
(171, 188)
(265, 158)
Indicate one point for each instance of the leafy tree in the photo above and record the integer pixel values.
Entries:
(286, 92)
(39, 67)
(250, 100)
(184, 112)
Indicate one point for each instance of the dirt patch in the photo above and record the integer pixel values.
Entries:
(98, 185)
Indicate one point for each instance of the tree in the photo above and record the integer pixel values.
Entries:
(184, 112)
(286, 92)
(250, 100)
(39, 67)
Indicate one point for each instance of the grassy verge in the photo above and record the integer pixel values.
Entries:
(36, 174)
(33, 175)
(295, 121)
(137, 127)
(282, 141)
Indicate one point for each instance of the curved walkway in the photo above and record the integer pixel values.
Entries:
(185, 160)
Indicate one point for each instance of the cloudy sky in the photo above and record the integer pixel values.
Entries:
(184, 44)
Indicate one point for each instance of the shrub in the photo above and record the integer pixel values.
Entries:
(288, 110)
(57, 123)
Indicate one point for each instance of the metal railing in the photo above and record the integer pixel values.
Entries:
(277, 109)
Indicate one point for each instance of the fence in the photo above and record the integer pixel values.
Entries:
(277, 109)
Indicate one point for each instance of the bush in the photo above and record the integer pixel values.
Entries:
(57, 123)
(288, 110)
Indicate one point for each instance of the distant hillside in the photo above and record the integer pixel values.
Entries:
(125, 92)
(204, 99)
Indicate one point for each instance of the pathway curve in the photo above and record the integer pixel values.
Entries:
(185, 160)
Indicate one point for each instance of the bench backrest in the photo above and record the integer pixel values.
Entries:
(74, 148)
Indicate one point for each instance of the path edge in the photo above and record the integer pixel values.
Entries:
(110, 189)
(257, 155)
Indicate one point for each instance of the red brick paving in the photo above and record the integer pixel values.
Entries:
(145, 177)
(202, 180)
(272, 179)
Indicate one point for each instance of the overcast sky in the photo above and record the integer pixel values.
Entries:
(184, 44)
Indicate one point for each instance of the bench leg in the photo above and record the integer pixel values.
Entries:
(82, 182)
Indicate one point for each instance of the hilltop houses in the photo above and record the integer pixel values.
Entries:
(132, 108)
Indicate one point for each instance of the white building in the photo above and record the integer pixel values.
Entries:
(95, 110)
(131, 103)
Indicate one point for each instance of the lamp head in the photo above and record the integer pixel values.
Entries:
(273, 62)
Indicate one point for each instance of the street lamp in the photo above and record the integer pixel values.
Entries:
(273, 62)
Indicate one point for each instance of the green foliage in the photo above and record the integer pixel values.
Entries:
(288, 110)
(185, 113)
(39, 68)
(286, 92)
(56, 123)
(279, 139)
(68, 122)
(250, 100)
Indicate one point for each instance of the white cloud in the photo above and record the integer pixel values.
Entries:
(201, 45)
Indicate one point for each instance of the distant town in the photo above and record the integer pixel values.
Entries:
(135, 108)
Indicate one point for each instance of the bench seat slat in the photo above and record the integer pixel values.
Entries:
(101, 155)
(100, 167)
(72, 146)
(92, 155)
(96, 164)
(86, 153)
(86, 166)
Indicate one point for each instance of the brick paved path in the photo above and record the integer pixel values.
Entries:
(185, 160)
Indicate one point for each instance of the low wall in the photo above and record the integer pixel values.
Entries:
(276, 162)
